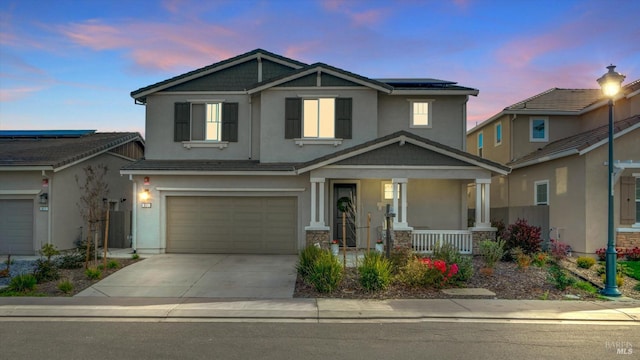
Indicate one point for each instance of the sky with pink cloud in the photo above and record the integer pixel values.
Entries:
(72, 64)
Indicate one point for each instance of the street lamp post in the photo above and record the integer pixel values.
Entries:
(610, 84)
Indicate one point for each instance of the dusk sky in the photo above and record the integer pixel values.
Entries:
(73, 64)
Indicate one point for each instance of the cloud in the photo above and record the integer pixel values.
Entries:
(15, 94)
(365, 17)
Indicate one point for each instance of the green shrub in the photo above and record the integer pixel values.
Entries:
(586, 286)
(113, 264)
(46, 270)
(326, 272)
(585, 262)
(560, 278)
(375, 272)
(451, 255)
(135, 256)
(425, 272)
(73, 260)
(540, 259)
(399, 256)
(23, 283)
(65, 286)
(93, 273)
(307, 259)
(637, 287)
(619, 279)
(49, 250)
(492, 251)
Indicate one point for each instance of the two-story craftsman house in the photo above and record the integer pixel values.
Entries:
(556, 144)
(263, 154)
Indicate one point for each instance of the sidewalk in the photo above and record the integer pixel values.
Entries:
(317, 310)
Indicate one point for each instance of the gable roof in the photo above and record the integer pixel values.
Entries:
(321, 67)
(558, 101)
(51, 151)
(577, 144)
(141, 93)
(404, 137)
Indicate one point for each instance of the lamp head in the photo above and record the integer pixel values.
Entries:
(611, 82)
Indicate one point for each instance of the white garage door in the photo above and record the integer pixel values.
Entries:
(234, 225)
(16, 227)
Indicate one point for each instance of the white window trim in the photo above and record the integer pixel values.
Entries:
(495, 133)
(546, 128)
(429, 114)
(205, 144)
(317, 141)
(535, 192)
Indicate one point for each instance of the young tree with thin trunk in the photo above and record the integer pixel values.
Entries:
(93, 191)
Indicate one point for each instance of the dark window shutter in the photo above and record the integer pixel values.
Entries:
(181, 122)
(343, 118)
(230, 122)
(292, 118)
(627, 200)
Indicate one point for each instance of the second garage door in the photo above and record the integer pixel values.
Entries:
(16, 227)
(234, 225)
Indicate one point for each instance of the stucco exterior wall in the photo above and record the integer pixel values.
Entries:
(159, 125)
(448, 118)
(67, 222)
(566, 178)
(625, 147)
(490, 150)
(275, 148)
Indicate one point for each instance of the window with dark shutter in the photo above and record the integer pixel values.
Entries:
(627, 200)
(181, 122)
(343, 118)
(293, 118)
(230, 122)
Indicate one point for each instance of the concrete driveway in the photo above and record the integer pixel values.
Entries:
(211, 276)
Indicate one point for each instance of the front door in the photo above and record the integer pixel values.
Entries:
(344, 202)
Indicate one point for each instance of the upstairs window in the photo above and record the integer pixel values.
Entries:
(541, 189)
(318, 118)
(206, 121)
(498, 134)
(480, 143)
(420, 113)
(638, 200)
(538, 129)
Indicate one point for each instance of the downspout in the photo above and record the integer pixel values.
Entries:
(250, 126)
(464, 124)
(134, 216)
(50, 203)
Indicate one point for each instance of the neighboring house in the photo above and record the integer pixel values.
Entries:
(262, 154)
(39, 194)
(556, 144)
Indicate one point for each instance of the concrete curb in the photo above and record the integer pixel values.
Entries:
(318, 310)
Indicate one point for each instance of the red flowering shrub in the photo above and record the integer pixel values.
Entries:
(620, 253)
(602, 254)
(522, 235)
(428, 272)
(558, 249)
(633, 254)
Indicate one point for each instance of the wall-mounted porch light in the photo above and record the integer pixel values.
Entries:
(145, 195)
(43, 199)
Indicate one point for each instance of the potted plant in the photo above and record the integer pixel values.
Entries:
(335, 247)
(379, 246)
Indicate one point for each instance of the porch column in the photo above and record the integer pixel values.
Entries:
(482, 203)
(400, 221)
(317, 205)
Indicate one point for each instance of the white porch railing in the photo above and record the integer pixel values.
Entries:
(424, 241)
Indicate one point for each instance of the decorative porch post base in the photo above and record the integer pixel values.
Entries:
(318, 237)
(480, 235)
(402, 239)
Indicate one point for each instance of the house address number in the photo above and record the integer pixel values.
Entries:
(146, 205)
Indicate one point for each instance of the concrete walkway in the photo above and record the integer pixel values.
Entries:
(319, 310)
(194, 276)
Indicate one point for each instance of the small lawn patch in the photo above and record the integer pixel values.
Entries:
(633, 268)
